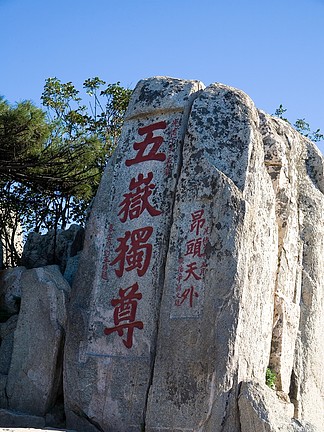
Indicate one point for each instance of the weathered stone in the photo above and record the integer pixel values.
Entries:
(261, 410)
(56, 416)
(11, 419)
(52, 247)
(308, 376)
(109, 352)
(36, 366)
(296, 167)
(283, 161)
(7, 331)
(71, 268)
(217, 303)
(8, 327)
(238, 212)
(34, 430)
(3, 395)
(10, 290)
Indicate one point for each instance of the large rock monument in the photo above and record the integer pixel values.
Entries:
(202, 266)
(202, 272)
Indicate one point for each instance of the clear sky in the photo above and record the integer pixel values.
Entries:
(271, 49)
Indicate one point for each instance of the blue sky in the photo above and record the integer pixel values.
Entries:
(272, 50)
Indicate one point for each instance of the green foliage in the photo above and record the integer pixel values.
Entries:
(52, 161)
(301, 126)
(280, 111)
(270, 378)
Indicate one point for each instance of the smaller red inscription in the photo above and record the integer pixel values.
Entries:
(197, 221)
(188, 293)
(191, 267)
(135, 255)
(125, 314)
(149, 148)
(195, 247)
(137, 201)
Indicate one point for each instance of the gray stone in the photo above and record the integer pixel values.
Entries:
(10, 290)
(11, 419)
(35, 372)
(7, 331)
(8, 327)
(3, 395)
(296, 168)
(217, 303)
(52, 247)
(71, 268)
(261, 410)
(203, 264)
(34, 430)
(115, 298)
(283, 162)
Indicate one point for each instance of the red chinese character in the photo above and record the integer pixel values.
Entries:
(137, 201)
(188, 293)
(154, 141)
(137, 254)
(125, 313)
(191, 271)
(197, 221)
(195, 247)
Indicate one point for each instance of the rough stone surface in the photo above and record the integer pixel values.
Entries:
(7, 331)
(241, 287)
(217, 303)
(34, 430)
(10, 290)
(35, 371)
(203, 264)
(52, 248)
(296, 168)
(71, 268)
(109, 353)
(3, 395)
(261, 410)
(11, 419)
(26, 429)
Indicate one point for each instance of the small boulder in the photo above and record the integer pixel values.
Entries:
(52, 247)
(35, 374)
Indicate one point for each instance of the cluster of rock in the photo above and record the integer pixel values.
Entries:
(33, 307)
(202, 267)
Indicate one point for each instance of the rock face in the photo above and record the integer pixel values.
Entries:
(223, 195)
(202, 266)
(111, 341)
